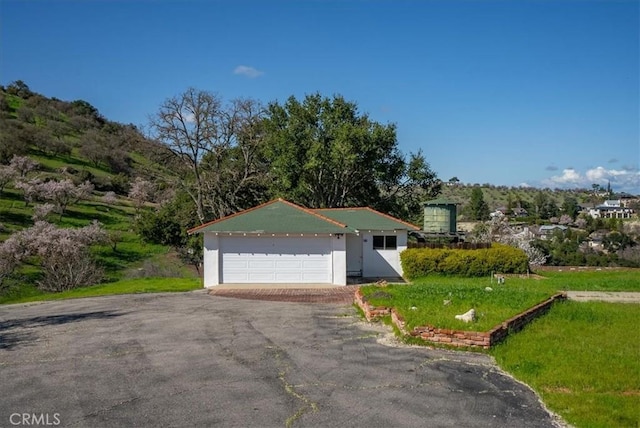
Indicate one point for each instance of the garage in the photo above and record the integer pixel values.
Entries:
(268, 259)
(279, 242)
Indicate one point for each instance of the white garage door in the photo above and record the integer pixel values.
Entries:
(275, 259)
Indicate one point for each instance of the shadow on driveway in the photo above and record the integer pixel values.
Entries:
(10, 339)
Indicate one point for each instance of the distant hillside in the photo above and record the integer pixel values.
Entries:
(503, 196)
(74, 138)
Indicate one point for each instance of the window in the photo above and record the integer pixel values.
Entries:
(388, 242)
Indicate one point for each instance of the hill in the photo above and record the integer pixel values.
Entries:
(511, 197)
(71, 142)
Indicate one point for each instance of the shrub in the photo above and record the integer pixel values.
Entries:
(63, 254)
(417, 262)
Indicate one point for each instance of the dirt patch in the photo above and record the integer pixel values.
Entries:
(605, 296)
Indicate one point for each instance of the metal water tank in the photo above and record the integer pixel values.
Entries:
(440, 216)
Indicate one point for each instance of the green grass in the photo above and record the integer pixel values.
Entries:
(427, 296)
(125, 286)
(584, 361)
(582, 358)
(123, 268)
(54, 165)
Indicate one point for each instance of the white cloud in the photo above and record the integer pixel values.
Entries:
(569, 176)
(247, 71)
(189, 117)
(622, 180)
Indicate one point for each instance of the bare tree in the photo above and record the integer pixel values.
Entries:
(214, 143)
(234, 176)
(190, 126)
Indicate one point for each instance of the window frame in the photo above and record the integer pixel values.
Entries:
(386, 244)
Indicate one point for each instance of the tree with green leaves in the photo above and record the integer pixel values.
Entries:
(324, 153)
(570, 207)
(477, 206)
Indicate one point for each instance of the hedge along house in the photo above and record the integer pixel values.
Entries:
(280, 242)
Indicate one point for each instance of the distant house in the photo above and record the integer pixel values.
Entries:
(548, 230)
(595, 239)
(497, 214)
(611, 208)
(627, 200)
(520, 212)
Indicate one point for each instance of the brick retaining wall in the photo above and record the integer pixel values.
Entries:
(460, 338)
(370, 312)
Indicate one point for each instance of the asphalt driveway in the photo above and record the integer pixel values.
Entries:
(193, 359)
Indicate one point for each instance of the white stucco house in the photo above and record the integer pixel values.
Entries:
(611, 209)
(281, 242)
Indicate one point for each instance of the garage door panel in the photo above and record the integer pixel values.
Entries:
(288, 277)
(276, 260)
(237, 264)
(261, 264)
(259, 276)
(289, 264)
(314, 264)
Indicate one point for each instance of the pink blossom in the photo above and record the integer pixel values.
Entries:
(63, 254)
(7, 175)
(23, 165)
(109, 198)
(141, 191)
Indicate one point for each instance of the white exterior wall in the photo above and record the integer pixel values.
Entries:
(382, 263)
(339, 255)
(211, 260)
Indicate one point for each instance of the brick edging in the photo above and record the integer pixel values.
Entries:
(370, 312)
(459, 338)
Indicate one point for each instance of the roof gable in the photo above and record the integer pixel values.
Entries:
(365, 219)
(277, 216)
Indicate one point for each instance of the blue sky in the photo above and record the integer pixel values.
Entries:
(544, 93)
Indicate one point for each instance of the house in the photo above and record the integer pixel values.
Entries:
(281, 242)
(595, 240)
(548, 230)
(499, 212)
(520, 212)
(611, 209)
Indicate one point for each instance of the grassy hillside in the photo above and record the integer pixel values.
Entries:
(71, 140)
(500, 196)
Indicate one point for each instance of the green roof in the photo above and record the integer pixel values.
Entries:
(277, 216)
(280, 216)
(365, 219)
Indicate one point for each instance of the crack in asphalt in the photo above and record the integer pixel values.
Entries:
(283, 369)
(103, 410)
